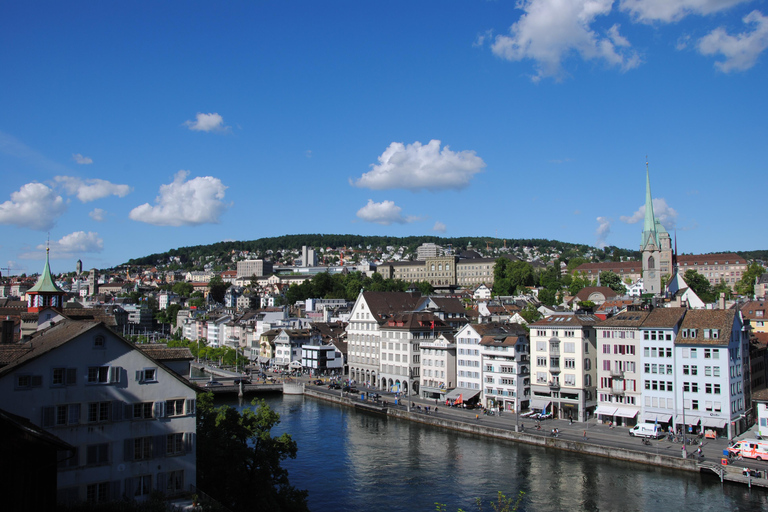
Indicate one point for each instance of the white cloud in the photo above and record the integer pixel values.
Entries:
(603, 230)
(551, 30)
(673, 10)
(417, 166)
(97, 214)
(92, 189)
(207, 123)
(663, 213)
(439, 227)
(740, 51)
(82, 160)
(75, 243)
(385, 213)
(185, 203)
(34, 206)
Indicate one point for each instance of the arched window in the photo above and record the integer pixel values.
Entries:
(651, 262)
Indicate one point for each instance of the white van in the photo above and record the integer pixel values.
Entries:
(646, 430)
(750, 449)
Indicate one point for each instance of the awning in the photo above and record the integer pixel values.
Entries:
(713, 422)
(295, 364)
(605, 410)
(625, 413)
(689, 420)
(263, 359)
(539, 404)
(653, 417)
(466, 394)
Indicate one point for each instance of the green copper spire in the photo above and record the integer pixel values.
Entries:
(45, 282)
(649, 228)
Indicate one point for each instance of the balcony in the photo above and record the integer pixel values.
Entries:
(554, 384)
(554, 369)
(617, 374)
(617, 390)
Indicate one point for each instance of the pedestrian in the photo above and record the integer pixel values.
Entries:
(435, 409)
(477, 416)
(584, 435)
(683, 453)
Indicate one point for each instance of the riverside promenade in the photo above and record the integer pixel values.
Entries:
(587, 438)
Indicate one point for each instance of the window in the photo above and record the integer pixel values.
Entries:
(569, 347)
(569, 363)
(142, 485)
(98, 411)
(175, 481)
(64, 376)
(143, 410)
(708, 388)
(97, 454)
(97, 493)
(146, 375)
(98, 342)
(28, 381)
(717, 389)
(142, 448)
(569, 380)
(175, 407)
(103, 374)
(174, 444)
(694, 387)
(695, 405)
(68, 414)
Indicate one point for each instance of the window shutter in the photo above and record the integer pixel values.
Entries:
(158, 445)
(161, 482)
(114, 374)
(128, 450)
(129, 488)
(48, 416)
(117, 410)
(189, 442)
(139, 374)
(159, 410)
(191, 406)
(115, 490)
(128, 411)
(71, 378)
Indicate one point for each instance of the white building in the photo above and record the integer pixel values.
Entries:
(322, 359)
(506, 370)
(130, 418)
(564, 360)
(438, 366)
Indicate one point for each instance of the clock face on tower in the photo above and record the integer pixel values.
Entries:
(651, 274)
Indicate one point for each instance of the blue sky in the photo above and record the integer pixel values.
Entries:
(137, 128)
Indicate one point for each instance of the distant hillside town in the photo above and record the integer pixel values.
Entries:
(94, 364)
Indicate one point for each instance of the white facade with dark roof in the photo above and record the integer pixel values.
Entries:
(131, 419)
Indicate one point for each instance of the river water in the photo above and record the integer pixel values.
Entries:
(356, 461)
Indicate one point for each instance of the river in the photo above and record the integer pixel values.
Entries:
(355, 461)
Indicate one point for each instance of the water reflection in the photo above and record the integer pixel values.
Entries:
(354, 461)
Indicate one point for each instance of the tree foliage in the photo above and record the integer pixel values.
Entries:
(700, 285)
(348, 286)
(613, 281)
(508, 276)
(239, 461)
(217, 288)
(746, 286)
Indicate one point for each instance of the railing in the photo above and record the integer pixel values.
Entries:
(554, 384)
(617, 374)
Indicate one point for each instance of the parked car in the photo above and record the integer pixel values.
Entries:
(213, 383)
(349, 389)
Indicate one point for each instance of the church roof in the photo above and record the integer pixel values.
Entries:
(45, 282)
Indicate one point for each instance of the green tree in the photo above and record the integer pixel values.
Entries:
(217, 288)
(578, 282)
(699, 284)
(719, 288)
(746, 285)
(250, 476)
(182, 289)
(530, 313)
(613, 281)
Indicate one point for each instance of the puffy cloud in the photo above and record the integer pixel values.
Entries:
(550, 30)
(663, 213)
(34, 206)
(417, 166)
(185, 203)
(603, 230)
(76, 243)
(82, 160)
(385, 213)
(207, 123)
(673, 10)
(439, 227)
(741, 50)
(92, 189)
(97, 214)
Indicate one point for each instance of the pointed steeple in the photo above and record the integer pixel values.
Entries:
(45, 293)
(46, 283)
(649, 227)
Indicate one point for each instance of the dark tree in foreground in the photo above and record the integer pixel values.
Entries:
(238, 460)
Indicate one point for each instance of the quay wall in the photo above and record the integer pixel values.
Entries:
(520, 437)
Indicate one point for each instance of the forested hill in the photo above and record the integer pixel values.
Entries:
(355, 242)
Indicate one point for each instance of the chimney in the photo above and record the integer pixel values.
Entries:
(721, 302)
(6, 336)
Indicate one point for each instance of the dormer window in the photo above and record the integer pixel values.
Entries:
(98, 342)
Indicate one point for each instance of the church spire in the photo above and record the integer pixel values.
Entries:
(649, 227)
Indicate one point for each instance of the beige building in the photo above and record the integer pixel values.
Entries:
(563, 365)
(442, 271)
(727, 267)
(248, 268)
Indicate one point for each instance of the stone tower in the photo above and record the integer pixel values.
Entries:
(656, 246)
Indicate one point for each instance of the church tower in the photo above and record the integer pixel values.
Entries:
(656, 246)
(45, 293)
